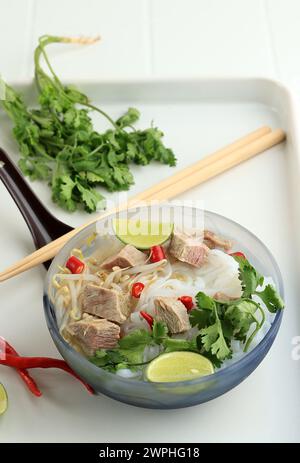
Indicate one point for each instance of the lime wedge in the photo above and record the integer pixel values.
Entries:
(142, 234)
(178, 366)
(3, 400)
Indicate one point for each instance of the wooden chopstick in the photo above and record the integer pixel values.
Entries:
(208, 167)
(222, 164)
(199, 165)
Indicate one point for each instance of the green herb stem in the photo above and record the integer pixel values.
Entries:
(95, 108)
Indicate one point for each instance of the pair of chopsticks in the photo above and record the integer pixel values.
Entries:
(208, 167)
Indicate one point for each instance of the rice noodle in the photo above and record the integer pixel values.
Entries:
(148, 291)
(76, 277)
(146, 268)
(64, 322)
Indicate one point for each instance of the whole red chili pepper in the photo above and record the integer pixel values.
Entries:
(157, 254)
(30, 382)
(24, 374)
(42, 362)
(75, 265)
(147, 317)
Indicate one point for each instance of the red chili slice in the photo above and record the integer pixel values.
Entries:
(75, 265)
(137, 289)
(187, 301)
(157, 254)
(238, 254)
(148, 318)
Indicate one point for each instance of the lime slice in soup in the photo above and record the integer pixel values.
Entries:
(3, 400)
(142, 234)
(178, 366)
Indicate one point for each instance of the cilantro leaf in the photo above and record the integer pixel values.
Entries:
(107, 358)
(200, 318)
(92, 177)
(228, 330)
(251, 280)
(214, 359)
(89, 197)
(137, 338)
(248, 276)
(214, 341)
(212, 336)
(173, 345)
(241, 315)
(271, 298)
(132, 346)
(62, 192)
(219, 348)
(206, 318)
(66, 188)
(159, 332)
(203, 315)
(129, 118)
(205, 302)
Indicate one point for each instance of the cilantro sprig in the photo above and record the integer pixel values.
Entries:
(130, 350)
(220, 322)
(59, 144)
(251, 280)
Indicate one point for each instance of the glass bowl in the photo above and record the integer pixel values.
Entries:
(179, 394)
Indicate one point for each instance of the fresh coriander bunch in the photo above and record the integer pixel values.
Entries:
(220, 322)
(58, 143)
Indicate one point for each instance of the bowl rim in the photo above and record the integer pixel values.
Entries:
(223, 372)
